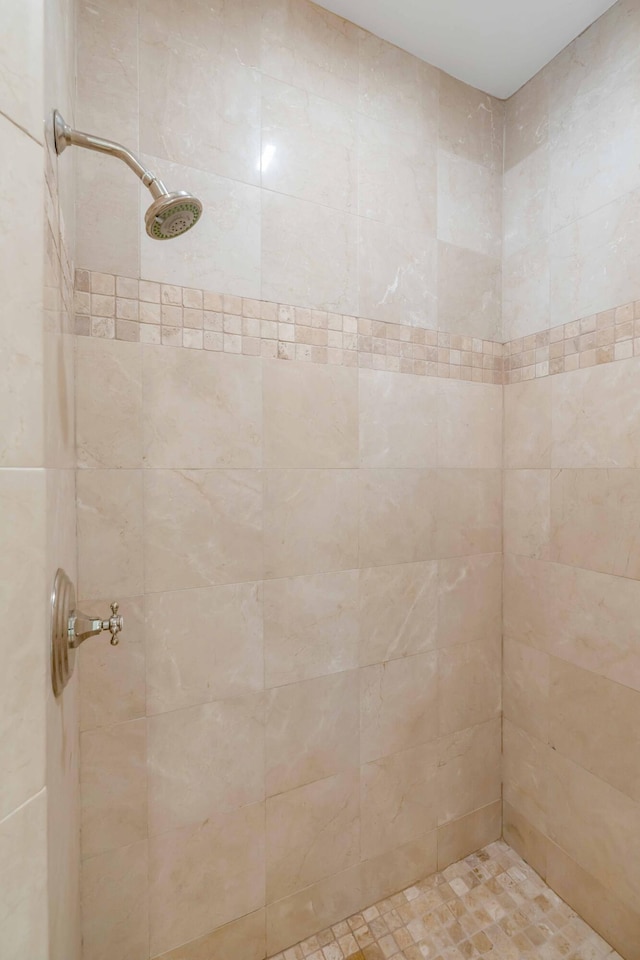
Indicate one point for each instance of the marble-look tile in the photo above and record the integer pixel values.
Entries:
(527, 512)
(469, 512)
(312, 832)
(22, 75)
(312, 731)
(204, 760)
(398, 704)
(202, 527)
(310, 626)
(112, 679)
(527, 423)
(526, 202)
(109, 229)
(310, 415)
(526, 120)
(113, 780)
(23, 881)
(397, 273)
(469, 204)
(319, 49)
(22, 681)
(398, 611)
(522, 837)
(526, 773)
(397, 174)
(108, 385)
(459, 838)
(595, 722)
(398, 800)
(205, 875)
(469, 424)
(230, 225)
(21, 277)
(397, 516)
(469, 684)
(109, 533)
(115, 904)
(468, 292)
(398, 419)
(469, 767)
(201, 409)
(310, 521)
(526, 296)
(525, 687)
(244, 937)
(308, 146)
(203, 644)
(471, 123)
(593, 520)
(469, 599)
(309, 255)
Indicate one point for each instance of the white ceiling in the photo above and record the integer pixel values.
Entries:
(495, 45)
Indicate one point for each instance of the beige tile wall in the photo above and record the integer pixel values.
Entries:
(304, 710)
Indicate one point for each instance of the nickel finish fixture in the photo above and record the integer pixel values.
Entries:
(70, 628)
(170, 215)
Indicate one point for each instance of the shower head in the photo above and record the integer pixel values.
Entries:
(170, 215)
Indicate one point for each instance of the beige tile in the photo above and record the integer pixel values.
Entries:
(23, 881)
(310, 415)
(527, 423)
(398, 611)
(526, 296)
(469, 424)
(527, 512)
(596, 825)
(203, 644)
(310, 626)
(308, 146)
(595, 421)
(398, 704)
(312, 833)
(398, 420)
(469, 505)
(205, 875)
(526, 773)
(312, 731)
(397, 516)
(202, 527)
(109, 533)
(464, 836)
(469, 295)
(22, 683)
(309, 521)
(469, 770)
(21, 86)
(469, 204)
(244, 937)
(108, 383)
(526, 119)
(471, 122)
(115, 904)
(201, 409)
(469, 684)
(112, 679)
(399, 799)
(113, 780)
(532, 845)
(596, 723)
(525, 687)
(469, 599)
(383, 875)
(204, 760)
(592, 520)
(526, 202)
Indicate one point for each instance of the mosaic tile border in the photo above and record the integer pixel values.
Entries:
(491, 904)
(123, 308)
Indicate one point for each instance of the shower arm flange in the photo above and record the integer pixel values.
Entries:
(65, 136)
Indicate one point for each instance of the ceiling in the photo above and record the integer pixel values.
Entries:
(495, 45)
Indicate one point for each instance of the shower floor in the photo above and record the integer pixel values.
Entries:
(492, 904)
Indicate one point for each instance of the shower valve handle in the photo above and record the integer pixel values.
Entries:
(81, 627)
(116, 623)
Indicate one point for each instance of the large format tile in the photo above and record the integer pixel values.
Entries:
(469, 292)
(471, 123)
(469, 684)
(397, 516)
(23, 881)
(527, 423)
(115, 904)
(469, 204)
(469, 599)
(398, 420)
(469, 512)
(398, 611)
(469, 424)
(469, 770)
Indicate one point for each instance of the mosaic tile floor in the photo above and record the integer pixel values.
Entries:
(490, 905)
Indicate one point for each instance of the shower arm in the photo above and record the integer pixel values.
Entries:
(65, 136)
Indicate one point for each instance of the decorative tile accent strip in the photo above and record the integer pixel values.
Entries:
(490, 905)
(601, 338)
(123, 308)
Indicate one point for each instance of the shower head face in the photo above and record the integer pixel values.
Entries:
(172, 215)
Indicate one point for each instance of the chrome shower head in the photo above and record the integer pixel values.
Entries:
(172, 215)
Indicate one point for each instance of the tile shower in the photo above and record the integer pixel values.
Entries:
(358, 458)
